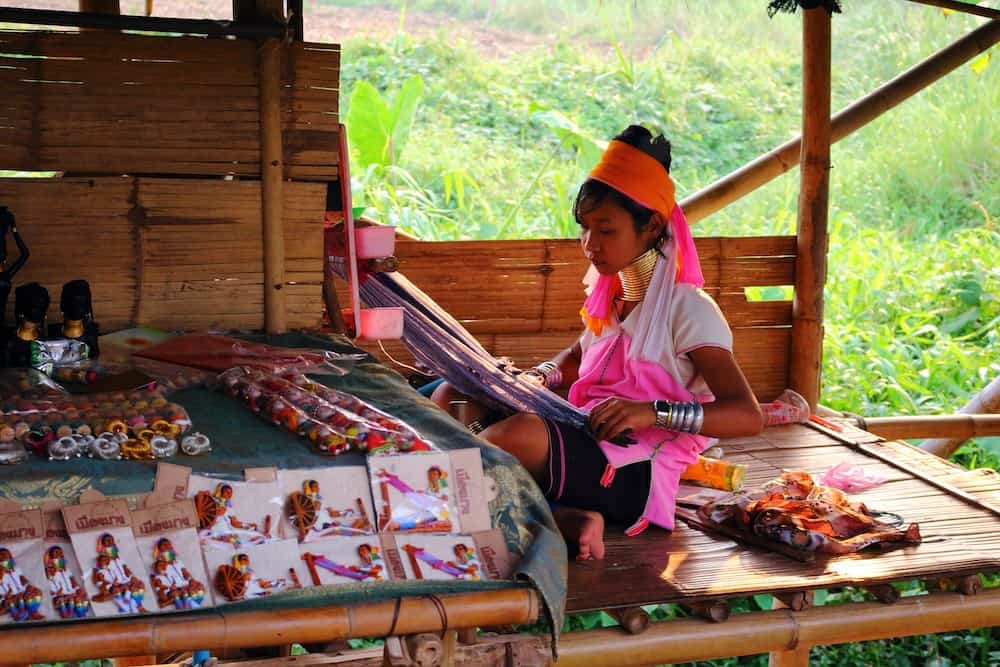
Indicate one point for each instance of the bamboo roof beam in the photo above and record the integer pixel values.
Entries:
(780, 630)
(769, 166)
(966, 7)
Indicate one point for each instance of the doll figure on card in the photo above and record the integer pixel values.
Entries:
(18, 596)
(68, 596)
(172, 582)
(228, 528)
(114, 579)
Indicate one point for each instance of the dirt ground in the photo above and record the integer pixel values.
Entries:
(325, 23)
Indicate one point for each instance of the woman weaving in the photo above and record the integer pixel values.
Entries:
(654, 366)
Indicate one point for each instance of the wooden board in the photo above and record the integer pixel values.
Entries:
(100, 102)
(689, 565)
(169, 253)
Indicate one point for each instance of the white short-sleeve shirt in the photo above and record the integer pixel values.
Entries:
(697, 322)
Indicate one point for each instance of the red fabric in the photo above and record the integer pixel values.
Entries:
(213, 352)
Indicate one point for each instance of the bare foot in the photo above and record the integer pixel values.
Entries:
(584, 528)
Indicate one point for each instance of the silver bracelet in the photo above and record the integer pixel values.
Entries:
(677, 416)
(551, 374)
(688, 417)
(699, 418)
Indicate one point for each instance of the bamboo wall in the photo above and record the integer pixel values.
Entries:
(159, 141)
(522, 298)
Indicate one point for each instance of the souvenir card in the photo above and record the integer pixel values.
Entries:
(113, 573)
(234, 515)
(471, 489)
(448, 557)
(342, 560)
(323, 502)
(255, 570)
(22, 573)
(413, 492)
(62, 570)
(167, 538)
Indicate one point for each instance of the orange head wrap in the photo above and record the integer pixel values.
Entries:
(644, 180)
(638, 176)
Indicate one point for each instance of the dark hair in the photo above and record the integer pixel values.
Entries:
(593, 193)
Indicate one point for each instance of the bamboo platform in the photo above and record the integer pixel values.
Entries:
(689, 566)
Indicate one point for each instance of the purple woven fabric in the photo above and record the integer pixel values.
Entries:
(440, 342)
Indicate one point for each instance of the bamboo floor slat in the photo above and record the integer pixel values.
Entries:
(687, 565)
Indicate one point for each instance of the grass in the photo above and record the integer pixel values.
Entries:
(912, 307)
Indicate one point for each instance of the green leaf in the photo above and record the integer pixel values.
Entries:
(970, 291)
(764, 601)
(368, 125)
(404, 109)
(570, 135)
(960, 322)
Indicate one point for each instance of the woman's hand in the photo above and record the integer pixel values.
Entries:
(615, 417)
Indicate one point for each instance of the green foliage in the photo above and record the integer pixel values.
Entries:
(378, 131)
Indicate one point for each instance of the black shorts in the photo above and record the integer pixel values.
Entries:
(573, 474)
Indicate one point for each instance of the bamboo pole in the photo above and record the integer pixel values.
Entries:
(229, 627)
(781, 630)
(986, 401)
(769, 166)
(952, 428)
(966, 7)
(811, 235)
(272, 191)
(796, 655)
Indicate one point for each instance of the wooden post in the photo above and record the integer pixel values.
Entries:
(296, 19)
(259, 11)
(271, 180)
(810, 267)
(797, 655)
(112, 7)
(101, 6)
(634, 620)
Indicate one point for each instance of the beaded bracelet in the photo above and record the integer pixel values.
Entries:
(550, 373)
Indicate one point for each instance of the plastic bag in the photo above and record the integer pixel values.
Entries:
(28, 383)
(133, 419)
(851, 477)
(168, 377)
(333, 421)
(219, 353)
(789, 408)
